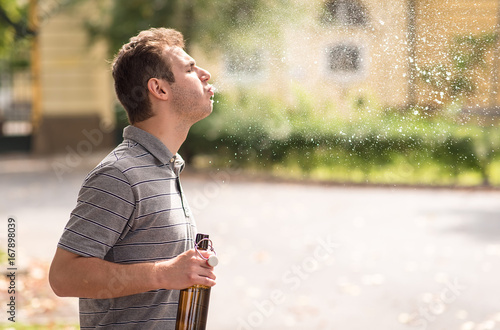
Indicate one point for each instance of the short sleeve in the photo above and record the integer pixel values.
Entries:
(105, 204)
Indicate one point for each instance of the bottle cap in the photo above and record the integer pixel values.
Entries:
(213, 261)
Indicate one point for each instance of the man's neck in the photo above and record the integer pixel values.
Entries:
(172, 136)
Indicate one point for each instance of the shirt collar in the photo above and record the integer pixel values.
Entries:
(152, 144)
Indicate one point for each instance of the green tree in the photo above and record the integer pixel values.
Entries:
(14, 25)
(17, 27)
(214, 24)
(457, 78)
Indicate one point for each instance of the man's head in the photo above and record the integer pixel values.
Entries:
(143, 58)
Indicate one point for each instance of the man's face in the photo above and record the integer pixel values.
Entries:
(191, 93)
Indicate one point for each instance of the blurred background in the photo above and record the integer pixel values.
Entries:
(405, 92)
(345, 100)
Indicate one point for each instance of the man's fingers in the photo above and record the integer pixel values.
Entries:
(208, 273)
(208, 281)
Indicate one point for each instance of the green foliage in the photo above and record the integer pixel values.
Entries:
(307, 138)
(16, 31)
(13, 25)
(457, 78)
(214, 25)
(122, 19)
(469, 51)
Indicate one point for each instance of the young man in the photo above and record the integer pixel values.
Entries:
(128, 246)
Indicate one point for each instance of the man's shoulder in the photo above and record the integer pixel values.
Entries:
(126, 155)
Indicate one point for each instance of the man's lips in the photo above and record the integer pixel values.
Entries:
(211, 90)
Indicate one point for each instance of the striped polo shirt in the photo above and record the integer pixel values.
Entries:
(131, 209)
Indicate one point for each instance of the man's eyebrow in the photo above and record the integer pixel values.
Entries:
(190, 63)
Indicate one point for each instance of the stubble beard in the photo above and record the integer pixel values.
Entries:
(187, 106)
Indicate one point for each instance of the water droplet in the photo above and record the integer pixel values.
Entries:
(461, 314)
(487, 325)
(404, 318)
(468, 326)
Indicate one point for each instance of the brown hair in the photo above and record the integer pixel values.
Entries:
(144, 57)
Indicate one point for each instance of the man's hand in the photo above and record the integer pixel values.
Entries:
(185, 270)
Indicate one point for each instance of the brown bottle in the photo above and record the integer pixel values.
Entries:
(192, 312)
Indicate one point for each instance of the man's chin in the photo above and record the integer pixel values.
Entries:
(211, 108)
(206, 113)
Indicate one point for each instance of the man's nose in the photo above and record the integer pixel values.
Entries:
(204, 75)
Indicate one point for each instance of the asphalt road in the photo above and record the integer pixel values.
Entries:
(298, 256)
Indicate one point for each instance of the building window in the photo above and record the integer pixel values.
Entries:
(344, 58)
(344, 12)
(345, 61)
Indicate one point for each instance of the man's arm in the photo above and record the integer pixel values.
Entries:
(72, 275)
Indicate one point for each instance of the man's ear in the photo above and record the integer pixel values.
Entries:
(158, 88)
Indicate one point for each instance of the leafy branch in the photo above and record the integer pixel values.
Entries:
(458, 78)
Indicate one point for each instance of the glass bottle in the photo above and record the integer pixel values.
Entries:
(192, 312)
